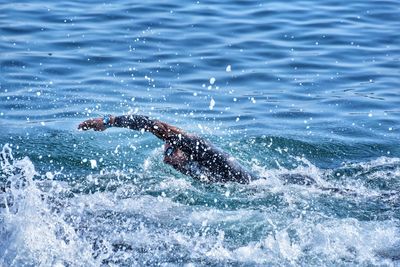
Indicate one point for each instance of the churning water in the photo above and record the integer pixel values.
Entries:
(294, 90)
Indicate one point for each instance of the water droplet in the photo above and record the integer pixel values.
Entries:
(93, 163)
(212, 104)
(49, 175)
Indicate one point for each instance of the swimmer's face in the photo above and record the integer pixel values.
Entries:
(175, 157)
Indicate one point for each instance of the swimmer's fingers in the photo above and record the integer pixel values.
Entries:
(95, 124)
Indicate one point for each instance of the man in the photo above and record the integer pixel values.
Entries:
(187, 153)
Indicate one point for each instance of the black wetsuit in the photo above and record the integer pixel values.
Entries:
(206, 162)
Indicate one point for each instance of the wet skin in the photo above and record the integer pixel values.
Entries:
(178, 159)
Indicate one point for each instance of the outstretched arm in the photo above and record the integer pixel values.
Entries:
(162, 130)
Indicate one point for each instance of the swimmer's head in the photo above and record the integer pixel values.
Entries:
(175, 157)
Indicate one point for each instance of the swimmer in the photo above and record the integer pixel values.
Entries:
(187, 153)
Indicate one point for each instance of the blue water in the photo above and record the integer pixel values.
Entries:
(295, 88)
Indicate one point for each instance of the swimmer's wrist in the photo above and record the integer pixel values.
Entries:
(108, 121)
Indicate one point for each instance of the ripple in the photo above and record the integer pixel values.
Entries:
(311, 89)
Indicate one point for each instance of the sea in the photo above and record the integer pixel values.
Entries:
(296, 91)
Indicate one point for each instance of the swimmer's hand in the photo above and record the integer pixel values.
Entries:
(95, 124)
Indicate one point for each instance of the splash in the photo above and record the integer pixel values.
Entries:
(33, 233)
(159, 218)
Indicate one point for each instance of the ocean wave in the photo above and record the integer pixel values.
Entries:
(269, 221)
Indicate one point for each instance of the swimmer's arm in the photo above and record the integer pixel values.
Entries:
(134, 122)
(191, 144)
(160, 129)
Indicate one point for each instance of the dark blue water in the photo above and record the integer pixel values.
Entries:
(291, 89)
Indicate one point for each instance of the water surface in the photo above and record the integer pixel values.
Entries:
(295, 88)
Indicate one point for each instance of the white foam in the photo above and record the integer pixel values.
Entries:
(34, 234)
(281, 225)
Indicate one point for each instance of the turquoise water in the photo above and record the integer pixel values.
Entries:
(291, 89)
